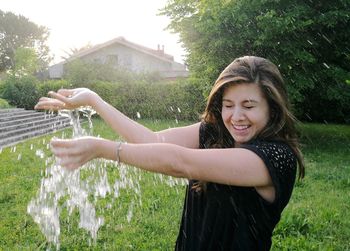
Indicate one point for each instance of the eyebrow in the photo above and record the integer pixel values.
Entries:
(245, 101)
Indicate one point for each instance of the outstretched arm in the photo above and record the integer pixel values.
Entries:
(233, 166)
(129, 129)
(134, 132)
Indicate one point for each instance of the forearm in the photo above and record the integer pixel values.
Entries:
(159, 158)
(130, 130)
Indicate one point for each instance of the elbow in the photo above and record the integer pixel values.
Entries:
(179, 166)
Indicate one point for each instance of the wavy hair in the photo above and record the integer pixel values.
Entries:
(259, 71)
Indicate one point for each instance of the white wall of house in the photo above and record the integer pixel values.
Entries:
(129, 58)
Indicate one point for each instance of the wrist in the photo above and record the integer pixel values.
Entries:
(96, 102)
(105, 149)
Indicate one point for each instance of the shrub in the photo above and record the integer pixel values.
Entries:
(181, 100)
(51, 85)
(21, 91)
(4, 104)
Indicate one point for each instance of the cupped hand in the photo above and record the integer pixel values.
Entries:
(67, 99)
(74, 153)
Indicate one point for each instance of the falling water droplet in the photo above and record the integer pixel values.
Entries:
(130, 212)
(40, 153)
(326, 65)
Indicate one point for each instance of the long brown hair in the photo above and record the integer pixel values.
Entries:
(260, 71)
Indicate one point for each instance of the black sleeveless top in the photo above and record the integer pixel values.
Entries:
(227, 217)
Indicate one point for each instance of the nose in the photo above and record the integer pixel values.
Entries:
(237, 114)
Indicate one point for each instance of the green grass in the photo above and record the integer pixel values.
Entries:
(317, 217)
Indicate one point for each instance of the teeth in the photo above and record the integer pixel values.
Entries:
(240, 127)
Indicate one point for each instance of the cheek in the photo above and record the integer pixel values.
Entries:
(225, 115)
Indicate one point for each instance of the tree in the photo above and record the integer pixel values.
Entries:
(17, 31)
(308, 40)
(25, 62)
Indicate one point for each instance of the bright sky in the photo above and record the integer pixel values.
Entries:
(75, 23)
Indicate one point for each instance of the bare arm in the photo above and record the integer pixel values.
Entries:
(134, 132)
(233, 166)
(129, 129)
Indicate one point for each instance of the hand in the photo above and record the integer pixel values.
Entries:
(73, 153)
(67, 99)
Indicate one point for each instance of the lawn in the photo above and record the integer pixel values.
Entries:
(317, 218)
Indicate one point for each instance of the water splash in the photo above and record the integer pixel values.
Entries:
(80, 189)
(59, 183)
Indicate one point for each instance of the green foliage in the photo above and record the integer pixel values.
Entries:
(161, 100)
(51, 85)
(4, 104)
(21, 91)
(308, 40)
(17, 31)
(25, 62)
(144, 98)
(80, 72)
(142, 94)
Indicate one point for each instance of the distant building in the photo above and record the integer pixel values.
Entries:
(133, 57)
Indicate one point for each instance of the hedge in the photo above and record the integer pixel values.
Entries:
(181, 100)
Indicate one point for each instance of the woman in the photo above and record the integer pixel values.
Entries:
(240, 160)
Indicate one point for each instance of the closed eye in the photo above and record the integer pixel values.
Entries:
(249, 107)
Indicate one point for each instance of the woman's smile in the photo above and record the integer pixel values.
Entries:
(245, 111)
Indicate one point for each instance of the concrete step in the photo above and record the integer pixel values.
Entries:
(10, 110)
(15, 112)
(19, 138)
(24, 128)
(17, 121)
(17, 125)
(21, 116)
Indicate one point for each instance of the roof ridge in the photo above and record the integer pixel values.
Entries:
(121, 39)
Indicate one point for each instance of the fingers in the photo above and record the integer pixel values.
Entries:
(70, 153)
(49, 104)
(58, 96)
(66, 92)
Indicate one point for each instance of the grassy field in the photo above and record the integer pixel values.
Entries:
(317, 218)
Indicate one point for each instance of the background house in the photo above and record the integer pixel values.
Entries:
(123, 53)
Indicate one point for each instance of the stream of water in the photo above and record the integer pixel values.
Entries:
(80, 189)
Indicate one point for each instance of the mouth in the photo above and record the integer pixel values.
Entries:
(240, 127)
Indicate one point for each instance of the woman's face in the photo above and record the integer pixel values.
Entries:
(245, 111)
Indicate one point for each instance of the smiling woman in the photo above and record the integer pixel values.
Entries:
(245, 111)
(240, 160)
